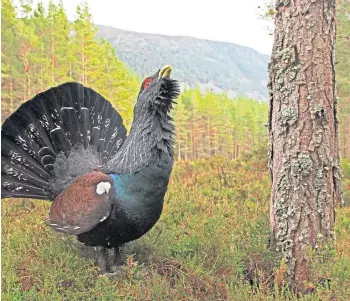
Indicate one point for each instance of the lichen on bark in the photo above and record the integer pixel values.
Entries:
(303, 148)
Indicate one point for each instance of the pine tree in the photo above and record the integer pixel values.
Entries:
(42, 61)
(8, 58)
(83, 44)
(304, 158)
(28, 42)
(42, 49)
(58, 44)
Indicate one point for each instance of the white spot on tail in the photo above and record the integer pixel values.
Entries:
(103, 187)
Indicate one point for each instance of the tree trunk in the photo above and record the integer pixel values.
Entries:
(83, 69)
(52, 59)
(11, 94)
(178, 140)
(28, 91)
(304, 151)
(41, 67)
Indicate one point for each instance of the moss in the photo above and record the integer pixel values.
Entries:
(321, 199)
(302, 166)
(283, 184)
(286, 54)
(279, 83)
(318, 180)
(288, 116)
(288, 89)
(284, 211)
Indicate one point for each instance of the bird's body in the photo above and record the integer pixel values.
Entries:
(137, 205)
(69, 145)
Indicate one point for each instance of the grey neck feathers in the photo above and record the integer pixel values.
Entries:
(150, 142)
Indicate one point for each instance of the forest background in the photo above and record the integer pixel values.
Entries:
(226, 137)
(42, 49)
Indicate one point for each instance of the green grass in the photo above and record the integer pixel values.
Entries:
(209, 243)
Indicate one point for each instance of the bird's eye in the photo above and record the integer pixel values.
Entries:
(146, 82)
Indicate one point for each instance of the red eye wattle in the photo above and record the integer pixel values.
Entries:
(146, 82)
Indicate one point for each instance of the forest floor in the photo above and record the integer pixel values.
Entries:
(210, 244)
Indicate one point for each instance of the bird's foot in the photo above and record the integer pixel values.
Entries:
(116, 274)
(109, 261)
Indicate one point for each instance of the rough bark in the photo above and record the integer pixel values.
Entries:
(304, 152)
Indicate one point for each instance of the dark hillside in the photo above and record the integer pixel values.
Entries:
(216, 66)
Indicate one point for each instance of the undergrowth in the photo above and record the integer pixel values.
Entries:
(210, 244)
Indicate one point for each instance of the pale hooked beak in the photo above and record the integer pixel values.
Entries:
(165, 71)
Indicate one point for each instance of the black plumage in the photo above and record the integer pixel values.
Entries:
(69, 145)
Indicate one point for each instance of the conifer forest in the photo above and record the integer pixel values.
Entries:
(212, 239)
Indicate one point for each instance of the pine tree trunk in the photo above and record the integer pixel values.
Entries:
(195, 139)
(11, 94)
(304, 151)
(234, 145)
(28, 83)
(52, 59)
(41, 67)
(178, 141)
(83, 78)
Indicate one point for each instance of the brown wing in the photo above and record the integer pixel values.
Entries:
(83, 205)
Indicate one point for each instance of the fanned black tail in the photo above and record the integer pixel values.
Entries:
(52, 138)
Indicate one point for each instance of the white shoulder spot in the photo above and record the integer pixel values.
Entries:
(103, 187)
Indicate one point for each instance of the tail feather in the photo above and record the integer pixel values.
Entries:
(19, 158)
(113, 144)
(55, 137)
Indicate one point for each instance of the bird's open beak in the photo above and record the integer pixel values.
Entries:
(164, 72)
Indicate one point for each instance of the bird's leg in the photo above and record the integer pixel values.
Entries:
(118, 260)
(114, 259)
(101, 259)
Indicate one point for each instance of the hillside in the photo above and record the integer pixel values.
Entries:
(216, 66)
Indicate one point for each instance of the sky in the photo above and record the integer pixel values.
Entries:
(235, 21)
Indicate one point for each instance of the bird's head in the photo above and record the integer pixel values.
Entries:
(157, 92)
(152, 132)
